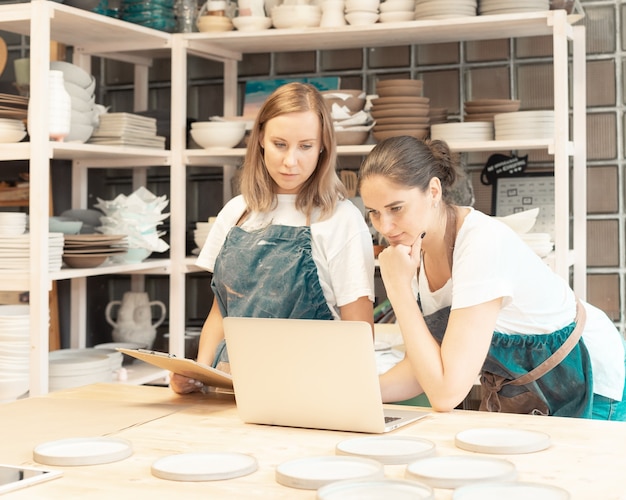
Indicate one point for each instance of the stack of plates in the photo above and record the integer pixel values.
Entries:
(12, 223)
(69, 368)
(444, 9)
(12, 130)
(127, 129)
(539, 242)
(465, 131)
(14, 252)
(92, 250)
(524, 125)
(483, 110)
(13, 106)
(400, 109)
(486, 7)
(14, 351)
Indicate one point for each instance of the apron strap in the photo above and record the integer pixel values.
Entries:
(560, 354)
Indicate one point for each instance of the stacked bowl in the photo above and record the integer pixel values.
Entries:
(296, 16)
(400, 109)
(208, 23)
(14, 351)
(81, 86)
(352, 124)
(392, 11)
(11, 130)
(483, 110)
(12, 223)
(201, 232)
(362, 12)
(444, 9)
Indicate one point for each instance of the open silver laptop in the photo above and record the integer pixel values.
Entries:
(309, 373)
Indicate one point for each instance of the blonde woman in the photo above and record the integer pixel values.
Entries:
(291, 245)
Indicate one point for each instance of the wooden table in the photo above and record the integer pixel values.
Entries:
(588, 458)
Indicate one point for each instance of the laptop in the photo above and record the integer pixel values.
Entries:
(315, 374)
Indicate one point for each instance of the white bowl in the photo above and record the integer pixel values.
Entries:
(252, 23)
(73, 73)
(296, 16)
(364, 5)
(521, 222)
(218, 134)
(397, 5)
(7, 136)
(13, 388)
(78, 92)
(214, 23)
(79, 133)
(396, 16)
(361, 18)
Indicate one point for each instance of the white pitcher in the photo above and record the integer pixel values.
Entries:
(134, 318)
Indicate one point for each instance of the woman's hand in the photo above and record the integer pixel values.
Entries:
(184, 385)
(399, 263)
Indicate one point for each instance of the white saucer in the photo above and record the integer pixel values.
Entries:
(82, 451)
(315, 472)
(382, 489)
(204, 466)
(389, 450)
(510, 491)
(502, 440)
(456, 471)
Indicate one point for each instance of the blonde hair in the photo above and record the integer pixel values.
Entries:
(323, 188)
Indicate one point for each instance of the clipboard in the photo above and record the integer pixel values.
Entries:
(183, 366)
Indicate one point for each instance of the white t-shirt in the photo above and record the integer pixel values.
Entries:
(490, 261)
(341, 245)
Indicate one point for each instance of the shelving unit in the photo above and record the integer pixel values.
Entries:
(565, 146)
(95, 35)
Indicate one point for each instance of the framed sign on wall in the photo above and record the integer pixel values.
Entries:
(516, 193)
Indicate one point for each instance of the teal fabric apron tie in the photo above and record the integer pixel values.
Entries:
(269, 273)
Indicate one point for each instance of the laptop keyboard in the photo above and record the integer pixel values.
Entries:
(391, 419)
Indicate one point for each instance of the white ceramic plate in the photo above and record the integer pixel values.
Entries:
(502, 440)
(383, 489)
(315, 472)
(82, 451)
(389, 450)
(204, 466)
(510, 491)
(456, 471)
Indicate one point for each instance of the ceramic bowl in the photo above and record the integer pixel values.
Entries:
(79, 133)
(218, 134)
(252, 23)
(73, 73)
(353, 99)
(361, 17)
(64, 225)
(362, 5)
(351, 137)
(84, 260)
(397, 6)
(214, 23)
(296, 16)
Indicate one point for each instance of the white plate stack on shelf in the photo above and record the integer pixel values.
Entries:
(14, 351)
(486, 7)
(393, 11)
(11, 130)
(483, 110)
(444, 9)
(462, 131)
(69, 368)
(92, 250)
(15, 245)
(400, 109)
(127, 129)
(524, 125)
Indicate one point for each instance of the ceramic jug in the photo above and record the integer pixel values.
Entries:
(134, 318)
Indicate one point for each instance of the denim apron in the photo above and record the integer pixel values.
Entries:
(268, 273)
(566, 390)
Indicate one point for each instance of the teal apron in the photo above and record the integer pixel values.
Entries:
(567, 389)
(269, 273)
